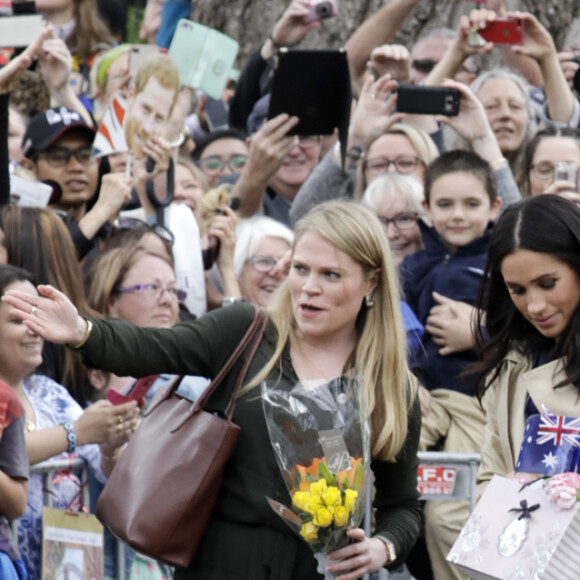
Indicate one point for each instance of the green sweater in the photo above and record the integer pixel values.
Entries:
(245, 538)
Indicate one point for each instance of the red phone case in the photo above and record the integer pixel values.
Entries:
(503, 31)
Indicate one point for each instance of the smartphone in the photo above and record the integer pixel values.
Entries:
(138, 53)
(566, 172)
(216, 114)
(17, 31)
(321, 10)
(503, 31)
(204, 56)
(421, 100)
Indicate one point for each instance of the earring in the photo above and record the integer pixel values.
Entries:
(370, 300)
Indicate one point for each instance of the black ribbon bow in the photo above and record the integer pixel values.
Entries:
(525, 509)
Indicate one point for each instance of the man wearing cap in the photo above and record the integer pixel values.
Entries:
(57, 147)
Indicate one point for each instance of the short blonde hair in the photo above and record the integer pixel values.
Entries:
(421, 141)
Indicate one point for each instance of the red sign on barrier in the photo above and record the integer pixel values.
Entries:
(436, 480)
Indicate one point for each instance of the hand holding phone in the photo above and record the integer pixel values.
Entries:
(566, 172)
(421, 100)
(499, 31)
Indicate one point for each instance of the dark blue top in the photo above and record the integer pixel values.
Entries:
(454, 275)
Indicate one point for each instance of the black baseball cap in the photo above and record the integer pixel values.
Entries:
(46, 128)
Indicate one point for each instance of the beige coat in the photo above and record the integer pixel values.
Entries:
(504, 404)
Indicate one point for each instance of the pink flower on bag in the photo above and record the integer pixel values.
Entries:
(562, 489)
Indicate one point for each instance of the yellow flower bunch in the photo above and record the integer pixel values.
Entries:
(326, 501)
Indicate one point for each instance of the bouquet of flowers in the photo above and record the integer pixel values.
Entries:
(320, 435)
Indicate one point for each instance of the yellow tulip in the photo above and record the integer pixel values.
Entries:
(301, 499)
(332, 496)
(309, 532)
(319, 487)
(313, 505)
(323, 517)
(340, 516)
(350, 496)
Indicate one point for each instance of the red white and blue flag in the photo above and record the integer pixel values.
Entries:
(551, 444)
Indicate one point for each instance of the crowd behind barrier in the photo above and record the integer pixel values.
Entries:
(411, 243)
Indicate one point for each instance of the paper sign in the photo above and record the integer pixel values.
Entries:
(436, 480)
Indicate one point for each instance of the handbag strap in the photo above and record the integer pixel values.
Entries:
(262, 321)
(255, 331)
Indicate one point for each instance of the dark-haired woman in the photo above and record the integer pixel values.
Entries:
(529, 357)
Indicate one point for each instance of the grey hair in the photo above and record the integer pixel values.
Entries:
(391, 184)
(250, 234)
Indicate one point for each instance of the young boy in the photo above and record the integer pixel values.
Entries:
(461, 202)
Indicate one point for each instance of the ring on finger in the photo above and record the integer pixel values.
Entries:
(34, 311)
(120, 419)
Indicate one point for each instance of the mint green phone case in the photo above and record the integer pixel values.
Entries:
(205, 57)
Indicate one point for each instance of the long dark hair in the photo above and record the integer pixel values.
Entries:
(547, 224)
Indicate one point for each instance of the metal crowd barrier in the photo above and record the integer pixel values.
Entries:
(441, 465)
(461, 467)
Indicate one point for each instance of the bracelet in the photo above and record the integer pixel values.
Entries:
(71, 436)
(85, 337)
(497, 163)
(274, 43)
(229, 300)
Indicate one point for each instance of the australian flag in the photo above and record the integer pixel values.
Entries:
(551, 445)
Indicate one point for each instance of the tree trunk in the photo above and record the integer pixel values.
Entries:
(251, 21)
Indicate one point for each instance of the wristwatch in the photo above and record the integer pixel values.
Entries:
(391, 552)
(229, 300)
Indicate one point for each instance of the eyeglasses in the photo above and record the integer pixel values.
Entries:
(403, 164)
(128, 223)
(544, 170)
(307, 141)
(262, 263)
(214, 164)
(60, 156)
(155, 291)
(402, 221)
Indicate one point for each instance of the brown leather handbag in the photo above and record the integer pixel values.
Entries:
(161, 493)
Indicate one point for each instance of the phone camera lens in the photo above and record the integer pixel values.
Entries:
(324, 10)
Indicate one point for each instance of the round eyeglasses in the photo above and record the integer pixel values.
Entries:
(262, 263)
(214, 164)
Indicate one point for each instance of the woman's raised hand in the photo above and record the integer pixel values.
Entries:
(372, 116)
(51, 314)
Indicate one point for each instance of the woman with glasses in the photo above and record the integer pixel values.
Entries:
(261, 243)
(220, 153)
(137, 284)
(552, 163)
(397, 201)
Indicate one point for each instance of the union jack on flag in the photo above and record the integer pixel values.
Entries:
(559, 428)
(551, 444)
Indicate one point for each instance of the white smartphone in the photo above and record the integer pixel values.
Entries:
(17, 31)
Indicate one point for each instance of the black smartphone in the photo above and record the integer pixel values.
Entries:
(421, 100)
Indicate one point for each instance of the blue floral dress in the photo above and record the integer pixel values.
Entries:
(53, 405)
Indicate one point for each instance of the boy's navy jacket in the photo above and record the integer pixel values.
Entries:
(456, 276)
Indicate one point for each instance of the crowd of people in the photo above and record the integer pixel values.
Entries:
(437, 255)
